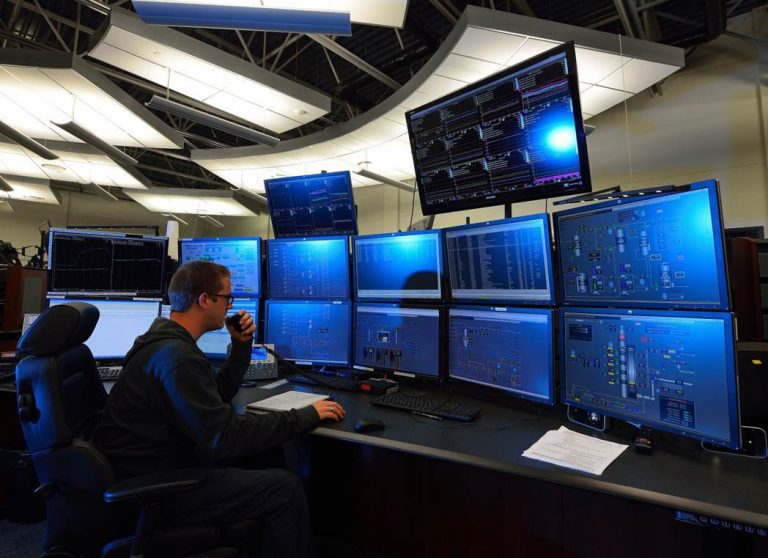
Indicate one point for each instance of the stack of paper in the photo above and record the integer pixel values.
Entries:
(576, 451)
(287, 401)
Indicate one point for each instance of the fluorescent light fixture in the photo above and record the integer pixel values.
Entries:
(5, 185)
(40, 87)
(77, 162)
(93, 140)
(214, 222)
(193, 202)
(380, 178)
(31, 190)
(205, 73)
(176, 217)
(166, 105)
(611, 69)
(28, 143)
(97, 190)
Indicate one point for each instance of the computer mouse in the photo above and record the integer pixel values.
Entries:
(369, 425)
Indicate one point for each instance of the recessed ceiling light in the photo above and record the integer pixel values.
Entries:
(53, 167)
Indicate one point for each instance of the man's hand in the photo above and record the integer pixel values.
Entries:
(247, 326)
(329, 410)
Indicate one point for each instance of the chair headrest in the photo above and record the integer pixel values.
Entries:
(59, 328)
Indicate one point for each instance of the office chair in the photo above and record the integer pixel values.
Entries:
(89, 514)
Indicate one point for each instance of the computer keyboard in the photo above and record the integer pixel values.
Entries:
(109, 373)
(326, 380)
(437, 407)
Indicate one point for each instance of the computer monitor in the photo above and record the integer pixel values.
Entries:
(404, 340)
(310, 332)
(516, 135)
(215, 343)
(507, 261)
(120, 322)
(308, 268)
(397, 266)
(509, 349)
(662, 251)
(29, 319)
(670, 370)
(312, 205)
(241, 255)
(82, 262)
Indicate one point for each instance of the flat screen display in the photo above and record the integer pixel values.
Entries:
(308, 268)
(215, 343)
(241, 255)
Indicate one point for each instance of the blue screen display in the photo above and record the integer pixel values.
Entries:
(506, 260)
(120, 322)
(308, 268)
(310, 332)
(214, 343)
(312, 205)
(390, 337)
(510, 349)
(241, 255)
(398, 265)
(669, 370)
(659, 251)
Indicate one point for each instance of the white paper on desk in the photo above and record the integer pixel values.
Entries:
(576, 451)
(287, 401)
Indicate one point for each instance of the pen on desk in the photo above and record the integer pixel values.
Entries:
(435, 417)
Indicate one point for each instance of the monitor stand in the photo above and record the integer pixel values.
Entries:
(590, 419)
(754, 444)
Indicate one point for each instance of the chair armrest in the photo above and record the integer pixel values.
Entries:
(154, 485)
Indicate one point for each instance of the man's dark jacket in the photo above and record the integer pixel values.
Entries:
(169, 410)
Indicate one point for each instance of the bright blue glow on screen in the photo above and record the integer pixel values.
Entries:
(310, 332)
(669, 370)
(242, 256)
(398, 265)
(120, 322)
(506, 260)
(308, 268)
(503, 348)
(663, 251)
(214, 343)
(388, 337)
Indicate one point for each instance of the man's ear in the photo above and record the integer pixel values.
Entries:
(202, 301)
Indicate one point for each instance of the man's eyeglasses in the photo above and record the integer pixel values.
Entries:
(230, 299)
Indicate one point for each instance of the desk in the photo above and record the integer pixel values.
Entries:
(427, 488)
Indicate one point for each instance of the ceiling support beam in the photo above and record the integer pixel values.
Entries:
(353, 59)
(445, 11)
(524, 7)
(43, 13)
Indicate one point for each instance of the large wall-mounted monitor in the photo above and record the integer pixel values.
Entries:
(509, 349)
(507, 261)
(312, 205)
(516, 135)
(398, 266)
(308, 268)
(85, 262)
(404, 340)
(215, 343)
(241, 255)
(120, 322)
(670, 370)
(309, 332)
(662, 251)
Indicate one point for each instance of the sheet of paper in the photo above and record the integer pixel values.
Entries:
(576, 451)
(287, 401)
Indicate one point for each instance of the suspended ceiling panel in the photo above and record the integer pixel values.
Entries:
(38, 88)
(207, 74)
(195, 202)
(77, 163)
(29, 189)
(611, 69)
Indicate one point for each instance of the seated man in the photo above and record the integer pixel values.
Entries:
(169, 410)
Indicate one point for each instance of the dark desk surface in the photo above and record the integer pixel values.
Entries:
(679, 474)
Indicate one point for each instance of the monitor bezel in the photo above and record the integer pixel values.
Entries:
(400, 373)
(294, 239)
(208, 239)
(305, 362)
(731, 373)
(568, 49)
(53, 231)
(397, 298)
(551, 399)
(268, 182)
(713, 189)
(504, 301)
